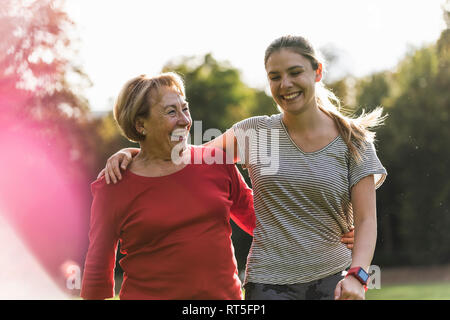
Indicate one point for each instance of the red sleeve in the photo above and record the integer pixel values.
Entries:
(98, 275)
(242, 210)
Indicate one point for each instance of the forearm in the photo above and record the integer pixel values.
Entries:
(365, 221)
(98, 274)
(365, 242)
(227, 142)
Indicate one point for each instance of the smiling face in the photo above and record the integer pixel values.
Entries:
(168, 123)
(292, 80)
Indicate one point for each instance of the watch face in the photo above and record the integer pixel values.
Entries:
(363, 275)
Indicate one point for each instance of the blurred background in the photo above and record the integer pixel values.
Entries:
(63, 62)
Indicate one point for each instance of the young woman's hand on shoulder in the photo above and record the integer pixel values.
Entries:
(119, 160)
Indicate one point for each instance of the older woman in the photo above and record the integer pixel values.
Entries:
(171, 218)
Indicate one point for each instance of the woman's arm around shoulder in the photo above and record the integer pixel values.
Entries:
(228, 143)
(118, 161)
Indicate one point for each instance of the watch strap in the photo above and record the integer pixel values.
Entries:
(356, 272)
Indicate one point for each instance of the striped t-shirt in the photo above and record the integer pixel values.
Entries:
(302, 202)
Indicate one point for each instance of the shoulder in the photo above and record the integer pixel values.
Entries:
(366, 149)
(258, 122)
(119, 196)
(99, 187)
(363, 147)
(99, 184)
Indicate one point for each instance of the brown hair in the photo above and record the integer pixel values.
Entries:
(134, 100)
(354, 131)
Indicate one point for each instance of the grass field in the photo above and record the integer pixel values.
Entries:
(431, 283)
(422, 291)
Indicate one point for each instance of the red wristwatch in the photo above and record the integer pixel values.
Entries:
(360, 274)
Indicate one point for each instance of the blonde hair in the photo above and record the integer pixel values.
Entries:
(354, 131)
(133, 101)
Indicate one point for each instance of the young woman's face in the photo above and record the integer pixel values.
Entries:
(169, 121)
(292, 80)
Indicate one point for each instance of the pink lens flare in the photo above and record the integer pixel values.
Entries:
(21, 274)
(46, 208)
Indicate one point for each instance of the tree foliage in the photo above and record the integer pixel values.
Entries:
(217, 95)
(36, 62)
(413, 204)
(47, 139)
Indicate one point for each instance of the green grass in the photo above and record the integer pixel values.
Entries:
(422, 291)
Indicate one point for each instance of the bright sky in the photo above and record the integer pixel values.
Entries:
(121, 39)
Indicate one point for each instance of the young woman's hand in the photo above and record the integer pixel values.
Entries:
(349, 288)
(119, 160)
(349, 238)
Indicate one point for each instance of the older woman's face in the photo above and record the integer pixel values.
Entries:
(169, 121)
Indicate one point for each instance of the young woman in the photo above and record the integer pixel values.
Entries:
(320, 180)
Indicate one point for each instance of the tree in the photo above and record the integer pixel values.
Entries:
(216, 93)
(46, 134)
(35, 56)
(413, 204)
(419, 125)
(36, 61)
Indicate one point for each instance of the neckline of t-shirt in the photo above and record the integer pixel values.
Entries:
(167, 176)
(300, 149)
(171, 175)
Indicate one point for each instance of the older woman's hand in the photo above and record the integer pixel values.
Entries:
(349, 238)
(119, 160)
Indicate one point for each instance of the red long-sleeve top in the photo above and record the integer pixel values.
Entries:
(174, 231)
